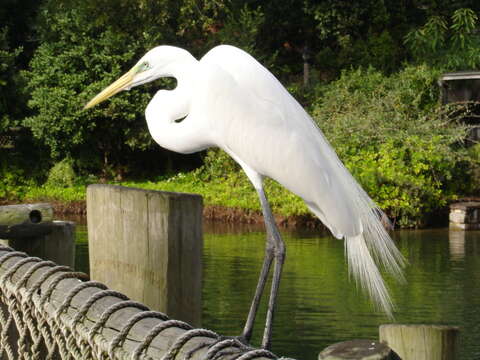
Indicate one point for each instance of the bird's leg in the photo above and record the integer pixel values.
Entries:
(274, 250)
(267, 262)
(279, 258)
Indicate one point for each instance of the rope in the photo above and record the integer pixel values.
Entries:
(182, 340)
(223, 344)
(36, 286)
(252, 354)
(67, 331)
(190, 353)
(68, 300)
(9, 273)
(23, 280)
(30, 319)
(97, 296)
(156, 331)
(107, 313)
(56, 281)
(9, 255)
(122, 335)
(51, 331)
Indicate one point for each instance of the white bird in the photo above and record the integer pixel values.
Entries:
(229, 100)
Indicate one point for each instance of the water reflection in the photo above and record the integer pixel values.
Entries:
(456, 241)
(318, 305)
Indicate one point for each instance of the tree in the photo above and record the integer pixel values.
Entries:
(85, 45)
(451, 42)
(8, 56)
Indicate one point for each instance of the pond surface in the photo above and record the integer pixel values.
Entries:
(318, 305)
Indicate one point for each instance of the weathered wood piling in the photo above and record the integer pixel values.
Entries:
(358, 350)
(31, 228)
(148, 245)
(421, 342)
(26, 220)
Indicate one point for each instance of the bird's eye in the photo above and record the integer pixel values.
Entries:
(144, 66)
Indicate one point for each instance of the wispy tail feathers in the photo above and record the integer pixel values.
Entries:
(375, 241)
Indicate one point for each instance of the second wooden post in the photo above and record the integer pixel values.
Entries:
(421, 342)
(148, 245)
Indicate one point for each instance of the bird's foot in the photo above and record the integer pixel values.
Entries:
(240, 340)
(228, 345)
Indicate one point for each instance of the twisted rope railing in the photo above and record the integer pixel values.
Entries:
(49, 312)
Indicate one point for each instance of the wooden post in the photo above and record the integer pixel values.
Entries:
(29, 228)
(358, 350)
(57, 246)
(26, 220)
(148, 245)
(421, 342)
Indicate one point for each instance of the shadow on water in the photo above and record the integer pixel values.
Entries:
(318, 304)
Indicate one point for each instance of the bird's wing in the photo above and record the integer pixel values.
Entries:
(295, 153)
(283, 142)
(249, 75)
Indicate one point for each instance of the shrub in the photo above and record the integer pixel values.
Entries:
(13, 181)
(396, 139)
(61, 174)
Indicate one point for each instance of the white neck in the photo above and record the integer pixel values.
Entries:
(167, 106)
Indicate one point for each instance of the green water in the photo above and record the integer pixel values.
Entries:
(318, 305)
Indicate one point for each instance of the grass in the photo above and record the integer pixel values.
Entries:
(234, 191)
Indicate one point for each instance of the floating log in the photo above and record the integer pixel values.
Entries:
(148, 245)
(30, 228)
(358, 350)
(465, 215)
(27, 220)
(421, 342)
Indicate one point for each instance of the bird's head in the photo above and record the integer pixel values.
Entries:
(154, 64)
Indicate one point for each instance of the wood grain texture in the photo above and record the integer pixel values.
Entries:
(148, 245)
(358, 350)
(421, 342)
(57, 246)
(26, 220)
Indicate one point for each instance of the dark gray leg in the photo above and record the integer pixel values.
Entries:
(267, 262)
(279, 258)
(275, 250)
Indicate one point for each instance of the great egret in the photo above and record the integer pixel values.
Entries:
(229, 100)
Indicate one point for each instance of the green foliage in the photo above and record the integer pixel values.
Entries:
(217, 164)
(361, 33)
(77, 58)
(473, 170)
(232, 189)
(54, 193)
(450, 42)
(62, 174)
(395, 138)
(13, 182)
(390, 131)
(241, 28)
(8, 83)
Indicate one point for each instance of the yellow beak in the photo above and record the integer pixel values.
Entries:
(119, 85)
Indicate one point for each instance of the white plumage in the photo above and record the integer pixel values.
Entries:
(293, 151)
(229, 100)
